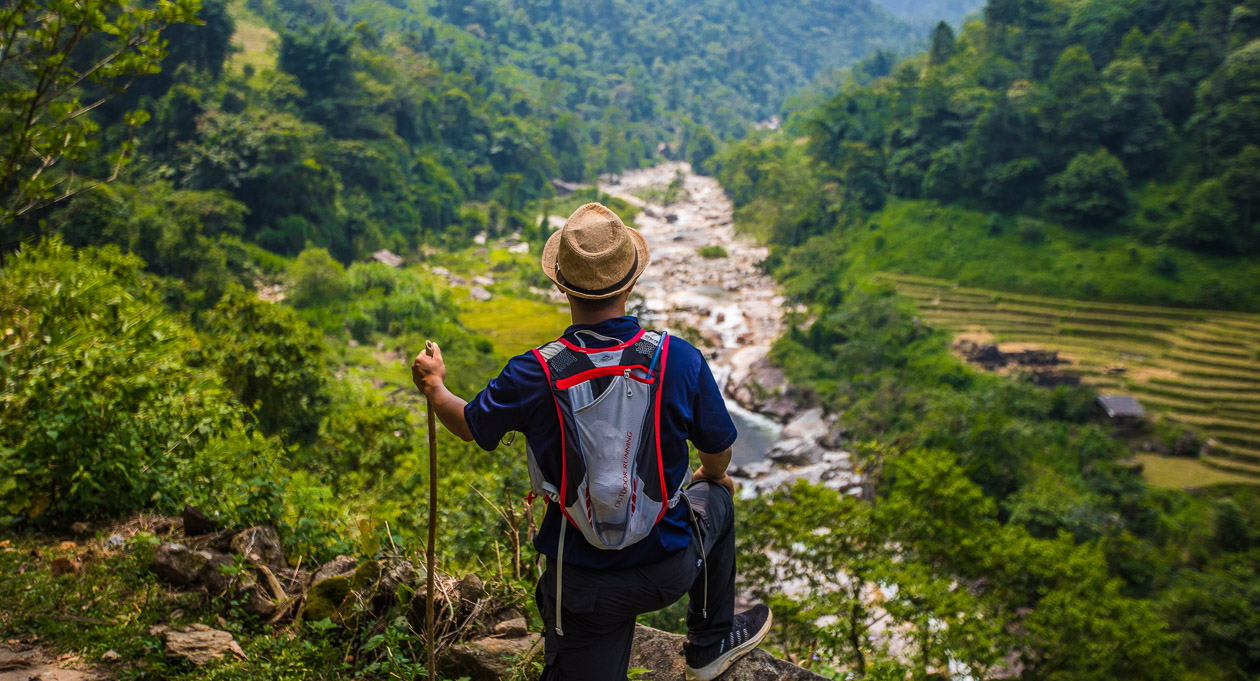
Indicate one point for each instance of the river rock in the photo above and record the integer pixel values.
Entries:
(260, 544)
(200, 644)
(488, 659)
(808, 425)
(179, 564)
(795, 451)
(479, 293)
(660, 651)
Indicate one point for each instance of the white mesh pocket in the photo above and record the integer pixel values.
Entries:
(609, 430)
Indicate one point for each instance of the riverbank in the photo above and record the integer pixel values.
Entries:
(706, 284)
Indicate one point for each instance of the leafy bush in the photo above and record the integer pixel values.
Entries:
(272, 360)
(317, 278)
(1092, 191)
(101, 414)
(712, 251)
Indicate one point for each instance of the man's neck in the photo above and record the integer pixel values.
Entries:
(582, 315)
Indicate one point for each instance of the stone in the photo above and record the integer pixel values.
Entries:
(179, 564)
(80, 528)
(111, 656)
(481, 281)
(216, 581)
(471, 589)
(659, 651)
(479, 293)
(808, 425)
(795, 452)
(115, 542)
(400, 574)
(325, 598)
(513, 628)
(488, 659)
(260, 544)
(197, 523)
(341, 565)
(200, 644)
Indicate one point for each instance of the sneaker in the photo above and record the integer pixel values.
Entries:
(708, 662)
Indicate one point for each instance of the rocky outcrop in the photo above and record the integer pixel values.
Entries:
(200, 644)
(660, 652)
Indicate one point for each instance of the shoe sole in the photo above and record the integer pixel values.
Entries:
(722, 664)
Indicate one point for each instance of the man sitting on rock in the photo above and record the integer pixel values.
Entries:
(595, 587)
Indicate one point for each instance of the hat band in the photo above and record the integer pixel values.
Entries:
(601, 291)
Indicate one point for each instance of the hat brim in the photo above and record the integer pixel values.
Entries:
(552, 250)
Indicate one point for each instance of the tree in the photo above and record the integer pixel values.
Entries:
(1092, 191)
(1077, 107)
(60, 60)
(942, 44)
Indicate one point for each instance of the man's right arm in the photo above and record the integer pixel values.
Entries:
(713, 468)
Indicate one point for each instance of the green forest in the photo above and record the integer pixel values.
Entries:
(166, 166)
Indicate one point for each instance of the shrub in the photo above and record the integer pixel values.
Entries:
(1092, 191)
(317, 278)
(713, 251)
(99, 412)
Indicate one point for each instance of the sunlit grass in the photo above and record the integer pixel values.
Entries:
(1170, 472)
(253, 40)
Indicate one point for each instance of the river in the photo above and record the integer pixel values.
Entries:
(732, 309)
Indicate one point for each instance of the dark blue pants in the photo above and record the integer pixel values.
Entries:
(600, 606)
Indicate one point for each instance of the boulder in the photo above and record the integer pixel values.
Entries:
(808, 425)
(396, 576)
(660, 651)
(200, 644)
(341, 565)
(179, 564)
(795, 452)
(213, 577)
(488, 659)
(471, 589)
(197, 523)
(260, 544)
(513, 628)
(479, 293)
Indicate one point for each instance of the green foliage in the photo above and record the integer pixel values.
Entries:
(270, 359)
(1068, 109)
(92, 363)
(712, 251)
(1091, 192)
(317, 278)
(71, 58)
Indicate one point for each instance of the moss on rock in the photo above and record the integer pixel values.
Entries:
(325, 598)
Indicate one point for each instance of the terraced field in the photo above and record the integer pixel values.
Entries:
(1198, 367)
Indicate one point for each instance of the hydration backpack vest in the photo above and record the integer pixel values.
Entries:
(612, 486)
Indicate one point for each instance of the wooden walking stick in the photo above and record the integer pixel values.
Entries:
(429, 553)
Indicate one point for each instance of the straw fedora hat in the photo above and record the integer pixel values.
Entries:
(595, 255)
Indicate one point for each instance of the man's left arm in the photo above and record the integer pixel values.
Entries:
(429, 375)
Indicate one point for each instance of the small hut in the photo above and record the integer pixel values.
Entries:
(1123, 411)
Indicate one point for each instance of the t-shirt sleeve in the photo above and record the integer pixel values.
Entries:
(503, 406)
(712, 430)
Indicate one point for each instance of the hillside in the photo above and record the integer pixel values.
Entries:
(719, 63)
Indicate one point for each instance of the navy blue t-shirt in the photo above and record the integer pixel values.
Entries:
(691, 409)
